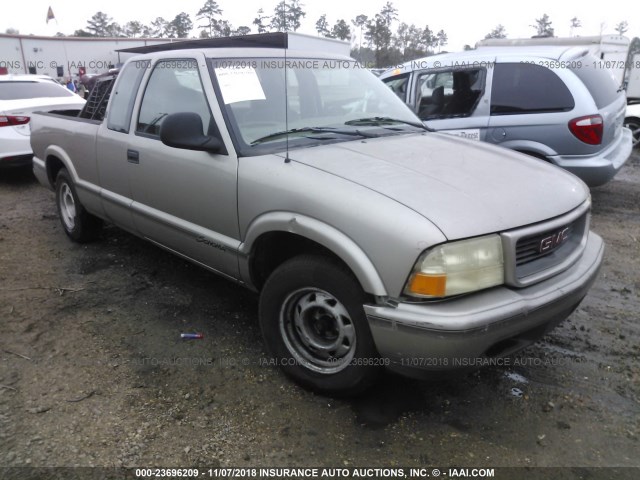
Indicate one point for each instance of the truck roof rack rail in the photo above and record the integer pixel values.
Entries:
(260, 40)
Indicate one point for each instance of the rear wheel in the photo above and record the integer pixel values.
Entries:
(314, 325)
(633, 124)
(77, 223)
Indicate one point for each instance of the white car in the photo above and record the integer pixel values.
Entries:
(20, 95)
(632, 122)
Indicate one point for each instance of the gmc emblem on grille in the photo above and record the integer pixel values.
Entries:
(553, 241)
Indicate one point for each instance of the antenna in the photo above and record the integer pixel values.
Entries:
(286, 106)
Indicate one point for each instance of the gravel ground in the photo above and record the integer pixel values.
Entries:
(93, 373)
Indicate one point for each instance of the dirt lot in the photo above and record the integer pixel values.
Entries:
(93, 372)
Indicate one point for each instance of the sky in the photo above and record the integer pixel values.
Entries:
(464, 21)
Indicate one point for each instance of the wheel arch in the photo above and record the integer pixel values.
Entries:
(278, 236)
(55, 160)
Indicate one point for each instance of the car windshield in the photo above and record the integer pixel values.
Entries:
(309, 102)
(20, 90)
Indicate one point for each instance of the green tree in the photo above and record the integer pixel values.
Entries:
(322, 26)
(360, 22)
(378, 35)
(209, 13)
(341, 30)
(543, 26)
(99, 24)
(259, 21)
(115, 30)
(133, 28)
(287, 16)
(159, 28)
(180, 26)
(498, 32)
(442, 39)
(242, 30)
(82, 33)
(622, 27)
(575, 23)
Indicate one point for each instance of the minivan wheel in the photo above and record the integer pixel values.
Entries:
(314, 326)
(77, 223)
(633, 124)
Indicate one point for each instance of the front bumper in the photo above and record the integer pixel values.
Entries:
(462, 332)
(599, 169)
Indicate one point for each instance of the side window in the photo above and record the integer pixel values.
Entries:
(124, 96)
(398, 85)
(174, 86)
(452, 93)
(528, 88)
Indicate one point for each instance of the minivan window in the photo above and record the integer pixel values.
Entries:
(449, 93)
(399, 85)
(527, 88)
(599, 81)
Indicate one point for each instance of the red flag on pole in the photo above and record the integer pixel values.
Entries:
(50, 15)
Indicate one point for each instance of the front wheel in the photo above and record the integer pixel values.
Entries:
(77, 223)
(314, 325)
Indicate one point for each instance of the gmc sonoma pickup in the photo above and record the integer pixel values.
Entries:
(372, 241)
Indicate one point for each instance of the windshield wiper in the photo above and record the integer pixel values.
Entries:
(379, 121)
(339, 131)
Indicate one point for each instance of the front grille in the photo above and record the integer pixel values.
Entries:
(540, 251)
(531, 258)
(528, 249)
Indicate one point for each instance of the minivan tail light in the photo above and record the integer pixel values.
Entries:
(588, 129)
(7, 120)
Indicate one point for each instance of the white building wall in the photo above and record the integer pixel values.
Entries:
(18, 53)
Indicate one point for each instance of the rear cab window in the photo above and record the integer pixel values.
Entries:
(124, 96)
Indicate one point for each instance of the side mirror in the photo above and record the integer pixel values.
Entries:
(184, 130)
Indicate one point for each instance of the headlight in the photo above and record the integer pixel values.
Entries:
(458, 267)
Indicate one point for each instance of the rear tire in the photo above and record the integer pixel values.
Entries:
(77, 223)
(314, 326)
(633, 124)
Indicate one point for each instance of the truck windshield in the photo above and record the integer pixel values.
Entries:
(305, 102)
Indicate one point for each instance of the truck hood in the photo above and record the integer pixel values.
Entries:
(465, 188)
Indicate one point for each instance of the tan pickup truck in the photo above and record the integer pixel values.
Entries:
(372, 241)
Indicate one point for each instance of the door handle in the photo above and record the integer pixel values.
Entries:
(133, 156)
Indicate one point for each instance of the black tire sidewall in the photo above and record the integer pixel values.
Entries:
(85, 226)
(328, 275)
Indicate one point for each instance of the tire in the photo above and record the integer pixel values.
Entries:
(633, 124)
(77, 223)
(314, 326)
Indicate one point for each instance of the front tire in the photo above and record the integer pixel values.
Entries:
(77, 223)
(314, 326)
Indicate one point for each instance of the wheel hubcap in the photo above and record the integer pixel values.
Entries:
(635, 130)
(67, 207)
(318, 330)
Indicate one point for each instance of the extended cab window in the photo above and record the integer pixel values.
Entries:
(449, 93)
(124, 96)
(528, 88)
(174, 86)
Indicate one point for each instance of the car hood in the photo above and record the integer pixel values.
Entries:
(465, 188)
